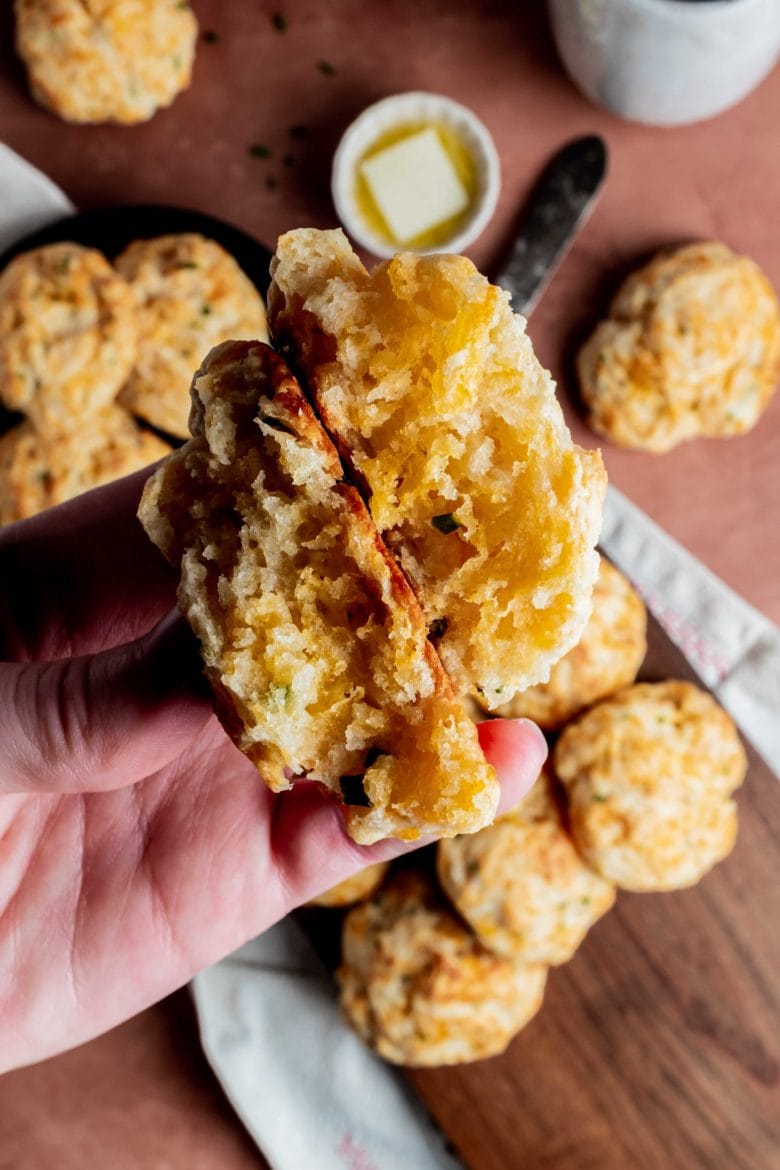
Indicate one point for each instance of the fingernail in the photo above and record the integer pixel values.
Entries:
(537, 732)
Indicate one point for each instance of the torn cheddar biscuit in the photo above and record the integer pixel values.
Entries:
(430, 387)
(313, 641)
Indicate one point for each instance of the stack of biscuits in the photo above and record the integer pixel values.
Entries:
(88, 349)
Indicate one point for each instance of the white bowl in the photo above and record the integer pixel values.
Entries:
(389, 113)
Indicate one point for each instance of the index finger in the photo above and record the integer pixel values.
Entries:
(81, 577)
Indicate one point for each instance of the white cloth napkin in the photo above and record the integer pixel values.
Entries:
(28, 199)
(308, 1091)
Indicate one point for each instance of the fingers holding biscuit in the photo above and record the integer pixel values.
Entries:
(309, 843)
(81, 578)
(102, 721)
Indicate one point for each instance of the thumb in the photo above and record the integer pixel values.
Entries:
(103, 720)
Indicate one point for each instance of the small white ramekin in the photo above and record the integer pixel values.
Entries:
(410, 108)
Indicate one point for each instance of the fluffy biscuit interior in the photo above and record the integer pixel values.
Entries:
(309, 632)
(431, 386)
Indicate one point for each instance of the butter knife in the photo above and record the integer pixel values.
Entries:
(559, 204)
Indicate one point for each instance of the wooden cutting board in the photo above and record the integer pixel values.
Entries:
(657, 1047)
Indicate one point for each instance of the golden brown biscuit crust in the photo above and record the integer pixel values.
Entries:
(521, 885)
(106, 60)
(313, 640)
(419, 987)
(648, 775)
(691, 347)
(39, 471)
(67, 335)
(189, 295)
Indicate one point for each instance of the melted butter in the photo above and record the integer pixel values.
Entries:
(460, 157)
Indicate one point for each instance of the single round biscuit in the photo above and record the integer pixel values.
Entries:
(67, 335)
(353, 889)
(648, 775)
(606, 658)
(37, 472)
(430, 386)
(106, 60)
(420, 989)
(190, 295)
(521, 885)
(691, 347)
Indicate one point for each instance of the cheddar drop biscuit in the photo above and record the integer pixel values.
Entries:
(313, 641)
(189, 295)
(431, 388)
(606, 658)
(106, 60)
(67, 335)
(691, 347)
(38, 471)
(521, 885)
(419, 987)
(648, 776)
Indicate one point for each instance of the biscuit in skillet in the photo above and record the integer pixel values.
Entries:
(419, 987)
(313, 641)
(648, 776)
(67, 335)
(606, 658)
(189, 295)
(691, 347)
(106, 60)
(521, 885)
(38, 471)
(432, 390)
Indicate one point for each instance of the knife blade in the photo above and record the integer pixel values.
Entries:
(559, 204)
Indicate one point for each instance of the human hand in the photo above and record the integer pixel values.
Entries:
(137, 844)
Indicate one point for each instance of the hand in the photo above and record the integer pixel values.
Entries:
(137, 844)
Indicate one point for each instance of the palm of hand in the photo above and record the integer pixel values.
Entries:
(155, 849)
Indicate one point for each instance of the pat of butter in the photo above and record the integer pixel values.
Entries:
(414, 185)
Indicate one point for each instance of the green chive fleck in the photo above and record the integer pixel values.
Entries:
(206, 311)
(271, 183)
(353, 793)
(326, 68)
(447, 522)
(257, 150)
(210, 37)
(187, 264)
(598, 797)
(279, 21)
(298, 132)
